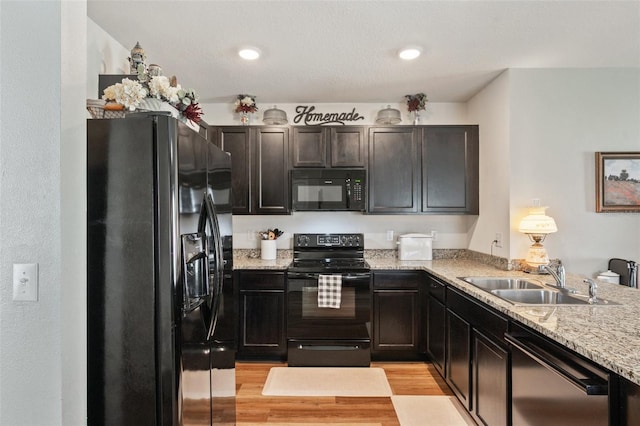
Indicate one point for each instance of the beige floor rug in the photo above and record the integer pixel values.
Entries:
(326, 381)
(430, 411)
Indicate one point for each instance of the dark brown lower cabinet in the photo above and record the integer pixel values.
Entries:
(394, 323)
(458, 363)
(396, 315)
(490, 372)
(630, 403)
(435, 324)
(262, 316)
(477, 358)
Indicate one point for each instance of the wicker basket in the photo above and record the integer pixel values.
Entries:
(97, 112)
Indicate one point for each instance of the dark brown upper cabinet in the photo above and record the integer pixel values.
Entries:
(259, 167)
(319, 146)
(450, 169)
(394, 170)
(423, 169)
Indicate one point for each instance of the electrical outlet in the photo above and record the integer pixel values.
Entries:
(498, 239)
(434, 235)
(25, 282)
(389, 235)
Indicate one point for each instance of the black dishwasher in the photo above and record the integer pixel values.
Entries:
(553, 386)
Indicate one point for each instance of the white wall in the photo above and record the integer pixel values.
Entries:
(559, 118)
(30, 332)
(491, 110)
(104, 55)
(73, 210)
(435, 113)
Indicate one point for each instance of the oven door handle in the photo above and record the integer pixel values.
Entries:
(314, 275)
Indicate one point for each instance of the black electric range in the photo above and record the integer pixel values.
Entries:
(335, 336)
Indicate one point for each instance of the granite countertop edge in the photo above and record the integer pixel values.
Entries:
(608, 335)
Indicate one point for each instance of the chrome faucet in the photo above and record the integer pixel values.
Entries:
(593, 298)
(559, 276)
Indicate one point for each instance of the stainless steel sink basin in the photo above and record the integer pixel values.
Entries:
(546, 297)
(501, 283)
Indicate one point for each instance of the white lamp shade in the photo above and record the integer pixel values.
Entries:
(537, 222)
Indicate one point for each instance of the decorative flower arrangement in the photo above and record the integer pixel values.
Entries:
(416, 102)
(246, 104)
(131, 93)
(270, 234)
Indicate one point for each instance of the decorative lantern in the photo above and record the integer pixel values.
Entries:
(137, 58)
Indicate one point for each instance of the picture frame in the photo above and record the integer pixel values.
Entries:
(617, 182)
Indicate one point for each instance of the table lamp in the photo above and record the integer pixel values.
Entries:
(537, 225)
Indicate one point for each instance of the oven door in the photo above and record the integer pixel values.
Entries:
(305, 320)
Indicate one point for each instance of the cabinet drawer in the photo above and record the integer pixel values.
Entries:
(436, 289)
(256, 280)
(398, 279)
(482, 318)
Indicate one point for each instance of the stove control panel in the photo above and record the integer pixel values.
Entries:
(328, 240)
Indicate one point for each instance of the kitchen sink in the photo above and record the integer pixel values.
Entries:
(546, 297)
(501, 283)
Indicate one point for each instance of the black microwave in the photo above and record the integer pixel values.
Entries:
(328, 189)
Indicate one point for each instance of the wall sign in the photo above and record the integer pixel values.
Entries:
(305, 115)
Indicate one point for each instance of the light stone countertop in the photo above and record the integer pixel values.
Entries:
(607, 334)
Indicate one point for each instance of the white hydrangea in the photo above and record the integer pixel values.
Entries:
(247, 101)
(159, 87)
(128, 93)
(109, 94)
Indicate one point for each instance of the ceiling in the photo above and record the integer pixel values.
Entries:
(346, 51)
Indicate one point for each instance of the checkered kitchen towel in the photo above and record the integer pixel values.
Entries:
(329, 291)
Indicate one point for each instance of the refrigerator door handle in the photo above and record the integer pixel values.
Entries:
(210, 217)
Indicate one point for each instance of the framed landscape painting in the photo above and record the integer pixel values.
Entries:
(617, 181)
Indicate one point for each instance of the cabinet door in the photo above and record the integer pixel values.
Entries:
(237, 141)
(394, 174)
(630, 409)
(271, 180)
(348, 148)
(490, 375)
(395, 324)
(450, 169)
(309, 148)
(458, 361)
(262, 324)
(436, 322)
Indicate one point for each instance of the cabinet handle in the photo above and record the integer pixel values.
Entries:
(590, 386)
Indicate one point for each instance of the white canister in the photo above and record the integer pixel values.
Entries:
(610, 277)
(268, 249)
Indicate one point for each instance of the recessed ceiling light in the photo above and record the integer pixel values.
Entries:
(408, 53)
(249, 53)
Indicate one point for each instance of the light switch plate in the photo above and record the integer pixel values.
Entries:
(25, 282)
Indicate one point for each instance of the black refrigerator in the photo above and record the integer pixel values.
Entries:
(161, 317)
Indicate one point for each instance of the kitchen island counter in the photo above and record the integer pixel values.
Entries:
(606, 334)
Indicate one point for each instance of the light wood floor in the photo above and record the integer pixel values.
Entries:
(406, 378)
